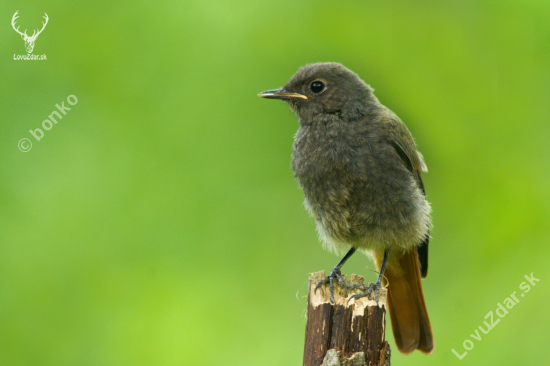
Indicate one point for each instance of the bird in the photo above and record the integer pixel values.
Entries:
(361, 174)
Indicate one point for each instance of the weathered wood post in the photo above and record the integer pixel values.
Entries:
(343, 334)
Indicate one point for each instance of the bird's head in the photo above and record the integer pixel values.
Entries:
(324, 90)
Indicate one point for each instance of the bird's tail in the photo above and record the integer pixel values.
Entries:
(409, 317)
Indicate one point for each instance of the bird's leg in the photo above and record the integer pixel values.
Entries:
(335, 273)
(372, 286)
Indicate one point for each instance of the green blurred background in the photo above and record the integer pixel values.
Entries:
(158, 223)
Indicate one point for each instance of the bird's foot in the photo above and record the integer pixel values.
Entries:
(367, 290)
(334, 274)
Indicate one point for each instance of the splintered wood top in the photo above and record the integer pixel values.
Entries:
(322, 295)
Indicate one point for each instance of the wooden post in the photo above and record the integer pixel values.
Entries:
(343, 334)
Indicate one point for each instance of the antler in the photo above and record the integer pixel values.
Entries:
(34, 34)
(13, 24)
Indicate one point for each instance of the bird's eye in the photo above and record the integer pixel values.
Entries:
(317, 86)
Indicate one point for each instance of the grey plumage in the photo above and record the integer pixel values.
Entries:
(346, 158)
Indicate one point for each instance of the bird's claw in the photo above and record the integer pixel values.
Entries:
(335, 273)
(367, 290)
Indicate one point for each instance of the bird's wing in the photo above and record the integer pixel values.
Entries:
(403, 142)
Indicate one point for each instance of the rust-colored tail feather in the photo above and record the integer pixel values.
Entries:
(409, 317)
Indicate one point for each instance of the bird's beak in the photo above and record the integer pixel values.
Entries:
(281, 94)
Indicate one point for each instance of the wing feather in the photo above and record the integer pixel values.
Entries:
(403, 143)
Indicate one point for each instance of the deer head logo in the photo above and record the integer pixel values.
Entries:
(29, 41)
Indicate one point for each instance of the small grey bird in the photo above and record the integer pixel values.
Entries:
(361, 174)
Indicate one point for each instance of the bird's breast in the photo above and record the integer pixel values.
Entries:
(356, 187)
(328, 169)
